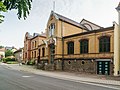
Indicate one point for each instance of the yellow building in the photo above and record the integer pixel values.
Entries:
(82, 47)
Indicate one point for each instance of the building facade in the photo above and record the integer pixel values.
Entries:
(2, 53)
(27, 48)
(19, 55)
(31, 42)
(82, 47)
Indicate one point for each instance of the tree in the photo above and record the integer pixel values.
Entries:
(8, 53)
(23, 7)
(1, 47)
(2, 9)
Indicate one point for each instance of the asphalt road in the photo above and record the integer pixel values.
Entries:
(19, 80)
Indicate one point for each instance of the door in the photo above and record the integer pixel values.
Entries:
(103, 67)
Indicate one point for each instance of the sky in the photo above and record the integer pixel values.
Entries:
(12, 30)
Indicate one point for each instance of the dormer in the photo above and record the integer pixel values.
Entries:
(89, 25)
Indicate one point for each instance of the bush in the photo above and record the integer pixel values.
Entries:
(4, 61)
(8, 59)
(31, 62)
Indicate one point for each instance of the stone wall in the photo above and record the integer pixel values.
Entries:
(81, 66)
(86, 66)
(111, 68)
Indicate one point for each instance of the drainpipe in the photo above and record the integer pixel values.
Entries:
(62, 53)
(62, 45)
(117, 44)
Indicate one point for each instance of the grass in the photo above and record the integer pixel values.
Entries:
(12, 62)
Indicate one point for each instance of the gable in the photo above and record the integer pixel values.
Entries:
(89, 25)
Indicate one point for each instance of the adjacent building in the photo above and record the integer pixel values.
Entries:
(2, 53)
(19, 55)
(31, 42)
(69, 45)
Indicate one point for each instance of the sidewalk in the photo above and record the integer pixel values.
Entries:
(77, 77)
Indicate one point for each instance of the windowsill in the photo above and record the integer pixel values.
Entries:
(84, 53)
(70, 54)
(104, 52)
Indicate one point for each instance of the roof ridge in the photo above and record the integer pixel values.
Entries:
(66, 19)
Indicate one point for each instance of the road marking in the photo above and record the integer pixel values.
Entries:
(26, 76)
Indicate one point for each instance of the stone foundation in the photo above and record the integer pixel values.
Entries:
(86, 66)
(82, 66)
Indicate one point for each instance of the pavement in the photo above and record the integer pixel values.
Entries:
(72, 76)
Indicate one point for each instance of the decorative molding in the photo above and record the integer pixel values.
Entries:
(104, 35)
(84, 39)
(69, 41)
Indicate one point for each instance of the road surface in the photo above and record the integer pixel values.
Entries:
(20, 80)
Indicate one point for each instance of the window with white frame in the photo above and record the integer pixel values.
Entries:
(51, 29)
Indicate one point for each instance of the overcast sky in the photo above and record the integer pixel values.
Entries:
(12, 30)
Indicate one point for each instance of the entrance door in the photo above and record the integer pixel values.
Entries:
(103, 67)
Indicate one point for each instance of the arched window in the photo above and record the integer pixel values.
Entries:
(84, 46)
(51, 29)
(70, 47)
(104, 44)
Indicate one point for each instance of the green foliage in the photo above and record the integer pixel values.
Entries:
(31, 62)
(9, 59)
(1, 47)
(12, 62)
(5, 60)
(23, 7)
(2, 9)
(9, 53)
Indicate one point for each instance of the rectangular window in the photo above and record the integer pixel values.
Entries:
(32, 44)
(35, 54)
(26, 46)
(32, 54)
(35, 44)
(39, 52)
(25, 55)
(70, 47)
(43, 52)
